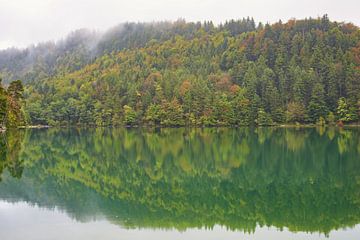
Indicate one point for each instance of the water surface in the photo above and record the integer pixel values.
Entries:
(212, 183)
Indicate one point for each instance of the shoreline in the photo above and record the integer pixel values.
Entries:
(185, 126)
(34, 127)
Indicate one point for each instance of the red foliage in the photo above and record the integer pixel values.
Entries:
(340, 124)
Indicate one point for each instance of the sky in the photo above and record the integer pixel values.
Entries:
(25, 22)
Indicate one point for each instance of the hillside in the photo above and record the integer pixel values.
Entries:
(305, 71)
(83, 46)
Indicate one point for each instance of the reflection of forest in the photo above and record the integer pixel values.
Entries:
(10, 146)
(303, 179)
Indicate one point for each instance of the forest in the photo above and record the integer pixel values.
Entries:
(186, 73)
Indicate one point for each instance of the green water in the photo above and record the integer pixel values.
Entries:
(181, 183)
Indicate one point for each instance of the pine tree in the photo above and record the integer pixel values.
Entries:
(317, 107)
(343, 111)
(3, 104)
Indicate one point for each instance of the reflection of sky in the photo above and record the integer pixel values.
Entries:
(22, 221)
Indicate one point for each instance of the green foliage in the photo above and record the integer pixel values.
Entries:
(171, 113)
(241, 106)
(317, 107)
(130, 115)
(223, 111)
(295, 113)
(321, 121)
(200, 74)
(3, 104)
(343, 111)
(263, 118)
(153, 114)
(15, 89)
(331, 118)
(11, 105)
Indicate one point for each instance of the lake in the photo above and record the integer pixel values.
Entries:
(180, 183)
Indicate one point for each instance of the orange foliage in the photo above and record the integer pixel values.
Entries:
(290, 24)
(151, 80)
(234, 89)
(185, 87)
(224, 83)
(349, 28)
(277, 26)
(175, 61)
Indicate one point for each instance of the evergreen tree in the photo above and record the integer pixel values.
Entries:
(343, 111)
(317, 107)
(3, 104)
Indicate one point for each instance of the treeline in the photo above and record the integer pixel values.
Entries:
(11, 105)
(305, 71)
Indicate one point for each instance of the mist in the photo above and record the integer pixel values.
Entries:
(83, 46)
(25, 22)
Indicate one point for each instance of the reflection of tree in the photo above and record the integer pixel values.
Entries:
(295, 139)
(10, 147)
(195, 177)
(344, 140)
(3, 151)
(331, 133)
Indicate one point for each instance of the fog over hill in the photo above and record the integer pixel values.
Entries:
(82, 46)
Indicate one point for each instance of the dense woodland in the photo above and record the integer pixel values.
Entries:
(172, 74)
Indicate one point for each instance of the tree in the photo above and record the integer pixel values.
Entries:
(172, 113)
(321, 121)
(15, 114)
(3, 104)
(317, 107)
(222, 110)
(295, 113)
(153, 114)
(130, 115)
(16, 89)
(331, 118)
(343, 111)
(263, 118)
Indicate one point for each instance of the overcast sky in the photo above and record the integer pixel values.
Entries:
(23, 22)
